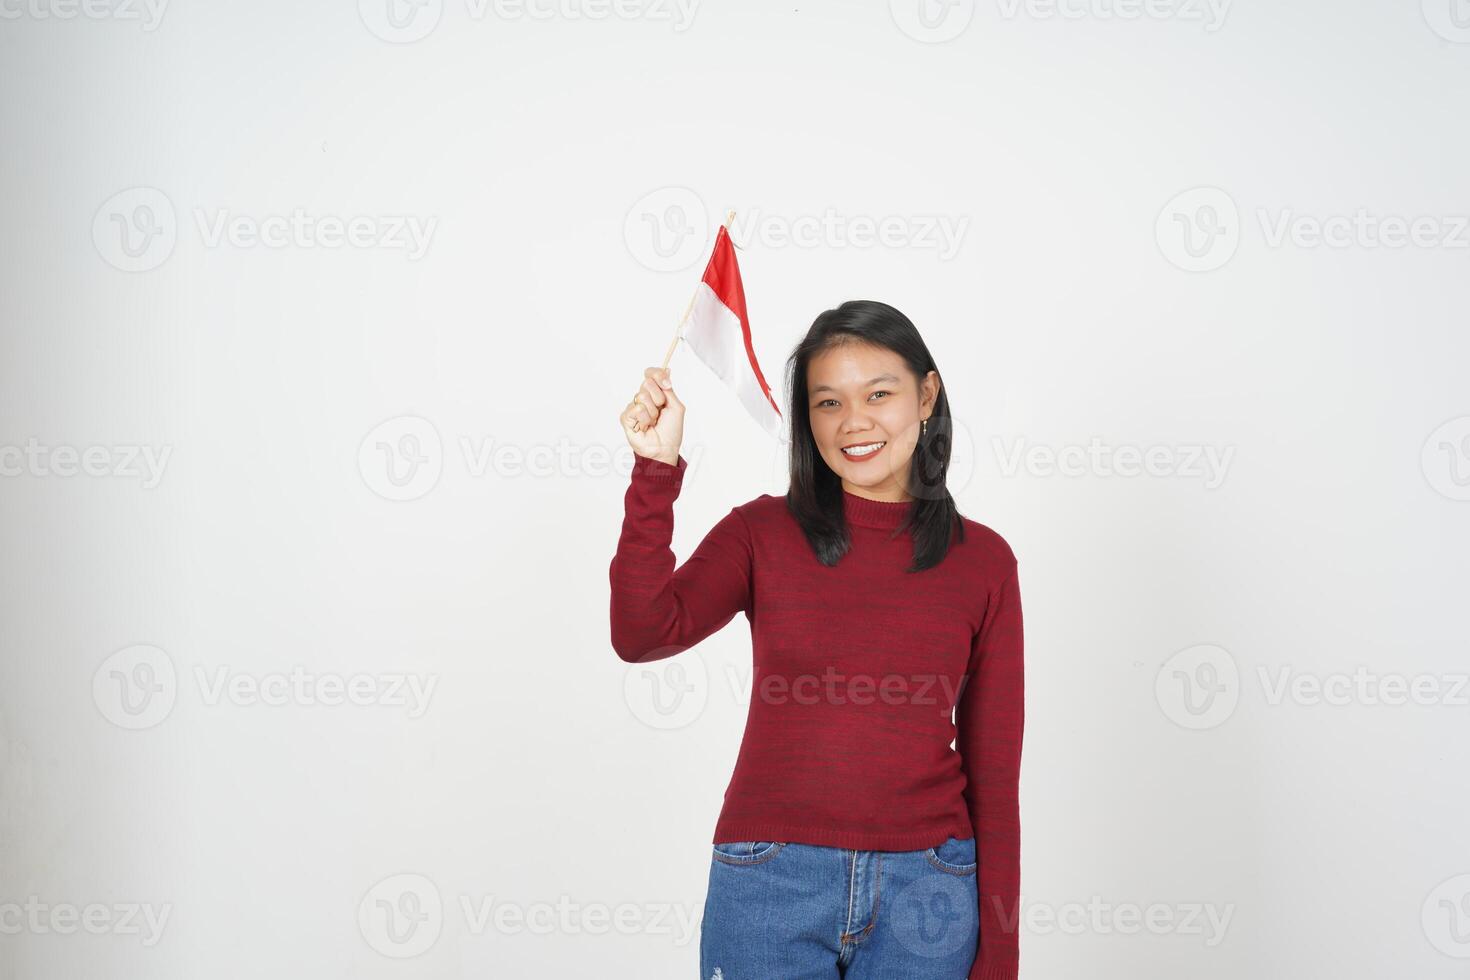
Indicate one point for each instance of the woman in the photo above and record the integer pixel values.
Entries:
(883, 739)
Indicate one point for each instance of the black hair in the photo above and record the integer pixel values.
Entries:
(815, 494)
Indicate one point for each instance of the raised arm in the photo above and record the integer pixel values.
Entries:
(989, 718)
(658, 611)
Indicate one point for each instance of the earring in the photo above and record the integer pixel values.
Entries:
(923, 428)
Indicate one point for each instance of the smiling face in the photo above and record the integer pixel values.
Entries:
(865, 407)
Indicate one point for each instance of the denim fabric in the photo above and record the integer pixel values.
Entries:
(788, 911)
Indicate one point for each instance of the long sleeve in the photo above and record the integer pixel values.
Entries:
(657, 611)
(989, 720)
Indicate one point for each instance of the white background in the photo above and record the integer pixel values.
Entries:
(1076, 147)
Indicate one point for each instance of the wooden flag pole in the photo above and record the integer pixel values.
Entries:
(679, 330)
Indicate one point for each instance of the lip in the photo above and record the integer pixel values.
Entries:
(872, 455)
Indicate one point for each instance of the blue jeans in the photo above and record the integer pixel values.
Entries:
(786, 911)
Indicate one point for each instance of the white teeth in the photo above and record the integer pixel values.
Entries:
(865, 450)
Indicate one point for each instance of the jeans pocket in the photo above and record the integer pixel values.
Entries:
(746, 851)
(955, 856)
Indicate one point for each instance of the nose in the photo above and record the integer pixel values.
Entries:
(857, 421)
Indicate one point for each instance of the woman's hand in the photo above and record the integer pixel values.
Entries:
(654, 420)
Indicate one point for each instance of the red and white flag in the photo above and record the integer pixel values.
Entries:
(718, 332)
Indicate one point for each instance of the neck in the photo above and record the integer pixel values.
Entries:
(888, 492)
(866, 511)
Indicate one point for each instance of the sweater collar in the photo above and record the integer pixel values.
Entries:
(873, 513)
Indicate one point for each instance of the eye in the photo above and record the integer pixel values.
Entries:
(824, 402)
(881, 393)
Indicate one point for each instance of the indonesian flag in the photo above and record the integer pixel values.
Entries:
(718, 332)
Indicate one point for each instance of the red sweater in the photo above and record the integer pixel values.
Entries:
(856, 670)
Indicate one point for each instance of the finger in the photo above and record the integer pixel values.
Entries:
(660, 376)
(646, 398)
(645, 401)
(655, 393)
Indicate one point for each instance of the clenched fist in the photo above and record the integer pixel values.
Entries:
(654, 420)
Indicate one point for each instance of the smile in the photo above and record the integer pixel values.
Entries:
(863, 450)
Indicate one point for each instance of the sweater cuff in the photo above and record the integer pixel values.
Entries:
(1005, 965)
(646, 468)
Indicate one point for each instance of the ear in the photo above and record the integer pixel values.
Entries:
(931, 388)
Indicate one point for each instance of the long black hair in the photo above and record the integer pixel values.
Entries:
(815, 494)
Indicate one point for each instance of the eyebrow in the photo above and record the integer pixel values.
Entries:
(890, 378)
